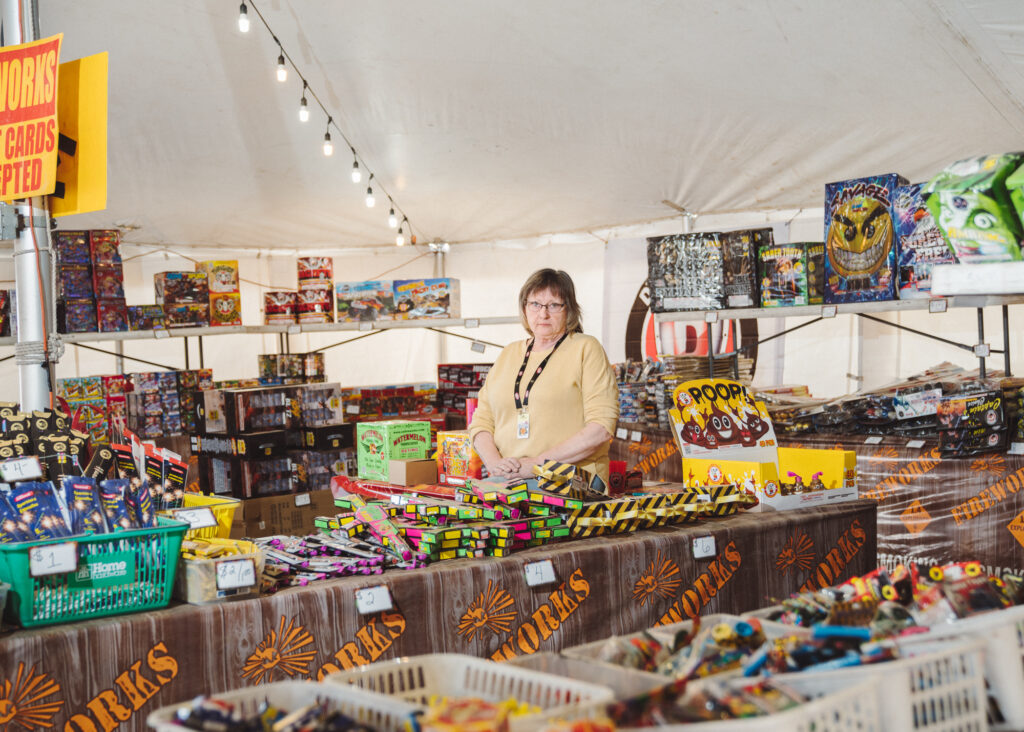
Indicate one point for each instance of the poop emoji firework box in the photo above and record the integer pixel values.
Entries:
(719, 416)
(860, 239)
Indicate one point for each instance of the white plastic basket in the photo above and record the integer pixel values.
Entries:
(625, 683)
(938, 686)
(418, 678)
(380, 712)
(836, 706)
(1002, 632)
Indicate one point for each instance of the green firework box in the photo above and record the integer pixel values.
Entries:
(378, 443)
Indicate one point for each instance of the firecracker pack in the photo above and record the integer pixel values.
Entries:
(426, 298)
(280, 306)
(919, 241)
(225, 308)
(331, 437)
(684, 272)
(108, 281)
(378, 443)
(739, 265)
(261, 477)
(181, 287)
(314, 271)
(570, 480)
(815, 273)
(186, 315)
(313, 469)
(104, 245)
(221, 275)
(782, 271)
(364, 301)
(315, 304)
(860, 239)
(457, 461)
(74, 281)
(72, 247)
(979, 410)
(111, 316)
(977, 203)
(146, 317)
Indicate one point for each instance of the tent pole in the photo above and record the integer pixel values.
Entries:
(32, 253)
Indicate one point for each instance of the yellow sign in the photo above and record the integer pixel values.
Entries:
(82, 112)
(28, 118)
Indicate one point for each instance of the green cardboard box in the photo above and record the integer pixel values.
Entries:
(378, 443)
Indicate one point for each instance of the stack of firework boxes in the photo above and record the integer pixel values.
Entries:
(225, 297)
(163, 403)
(185, 298)
(90, 282)
(96, 404)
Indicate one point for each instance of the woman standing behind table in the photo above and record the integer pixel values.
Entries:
(550, 397)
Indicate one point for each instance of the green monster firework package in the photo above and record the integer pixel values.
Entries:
(860, 239)
(972, 205)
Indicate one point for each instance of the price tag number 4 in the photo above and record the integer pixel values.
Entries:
(373, 599)
(539, 573)
(53, 559)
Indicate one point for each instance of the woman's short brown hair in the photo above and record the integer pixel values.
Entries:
(560, 284)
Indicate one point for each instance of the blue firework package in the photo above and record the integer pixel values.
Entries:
(972, 208)
(115, 506)
(84, 506)
(860, 239)
(920, 243)
(140, 501)
(12, 527)
(40, 510)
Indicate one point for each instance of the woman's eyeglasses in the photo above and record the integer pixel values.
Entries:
(551, 307)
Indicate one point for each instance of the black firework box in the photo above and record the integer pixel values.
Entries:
(969, 442)
(684, 272)
(739, 266)
(979, 410)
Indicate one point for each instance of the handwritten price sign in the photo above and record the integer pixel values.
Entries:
(539, 573)
(373, 599)
(196, 518)
(234, 574)
(53, 559)
(23, 468)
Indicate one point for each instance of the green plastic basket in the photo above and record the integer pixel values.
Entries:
(124, 572)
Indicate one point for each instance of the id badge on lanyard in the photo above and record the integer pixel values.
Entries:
(523, 424)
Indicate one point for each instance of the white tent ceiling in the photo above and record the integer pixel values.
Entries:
(498, 120)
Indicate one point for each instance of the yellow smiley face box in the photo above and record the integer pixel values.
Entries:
(838, 470)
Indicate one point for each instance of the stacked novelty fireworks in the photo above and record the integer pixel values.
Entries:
(90, 293)
(225, 297)
(316, 295)
(97, 404)
(185, 298)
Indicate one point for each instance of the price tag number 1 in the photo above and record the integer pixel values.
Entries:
(53, 559)
(373, 599)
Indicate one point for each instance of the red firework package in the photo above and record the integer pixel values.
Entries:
(280, 306)
(112, 316)
(104, 245)
(108, 281)
(315, 271)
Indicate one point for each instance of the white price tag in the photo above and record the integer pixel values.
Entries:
(915, 444)
(352, 409)
(236, 573)
(711, 317)
(539, 573)
(373, 599)
(982, 350)
(873, 440)
(366, 326)
(829, 311)
(1016, 448)
(53, 559)
(636, 436)
(302, 499)
(622, 433)
(196, 518)
(703, 547)
(23, 468)
(294, 329)
(161, 333)
(477, 347)
(472, 323)
(937, 305)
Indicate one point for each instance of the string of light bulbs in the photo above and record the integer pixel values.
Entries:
(283, 61)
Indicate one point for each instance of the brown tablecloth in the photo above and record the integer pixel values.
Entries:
(99, 674)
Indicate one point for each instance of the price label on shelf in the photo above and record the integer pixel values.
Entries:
(539, 573)
(196, 518)
(366, 326)
(477, 347)
(703, 547)
(22, 468)
(622, 433)
(294, 329)
(373, 599)
(1016, 448)
(982, 350)
(161, 333)
(711, 317)
(915, 444)
(472, 323)
(829, 311)
(53, 559)
(302, 499)
(873, 440)
(937, 305)
(234, 574)
(352, 409)
(636, 436)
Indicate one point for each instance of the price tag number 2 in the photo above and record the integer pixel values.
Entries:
(53, 559)
(373, 599)
(235, 574)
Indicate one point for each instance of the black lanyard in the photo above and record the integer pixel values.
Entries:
(522, 403)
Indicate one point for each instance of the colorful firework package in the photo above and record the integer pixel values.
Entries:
(83, 501)
(919, 241)
(684, 272)
(860, 239)
(40, 509)
(118, 513)
(12, 526)
(782, 271)
(208, 713)
(971, 203)
(739, 264)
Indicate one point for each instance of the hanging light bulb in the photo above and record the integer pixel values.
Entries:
(243, 18)
(357, 174)
(370, 200)
(400, 237)
(282, 71)
(328, 145)
(303, 105)
(392, 219)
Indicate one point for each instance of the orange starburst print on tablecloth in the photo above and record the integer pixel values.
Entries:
(661, 579)
(995, 464)
(488, 611)
(798, 551)
(281, 651)
(22, 703)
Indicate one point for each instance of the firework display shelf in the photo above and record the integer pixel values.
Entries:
(935, 304)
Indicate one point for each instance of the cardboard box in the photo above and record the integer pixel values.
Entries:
(378, 443)
(290, 514)
(364, 301)
(412, 472)
(280, 306)
(685, 272)
(920, 242)
(739, 264)
(334, 437)
(427, 298)
(181, 287)
(225, 308)
(259, 444)
(782, 271)
(457, 461)
(221, 275)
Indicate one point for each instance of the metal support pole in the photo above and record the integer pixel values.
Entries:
(201, 364)
(981, 339)
(440, 249)
(119, 348)
(32, 260)
(185, 338)
(1006, 340)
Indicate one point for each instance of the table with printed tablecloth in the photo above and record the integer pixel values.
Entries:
(109, 672)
